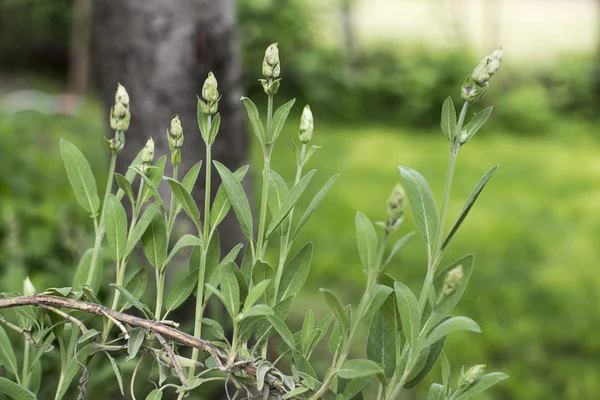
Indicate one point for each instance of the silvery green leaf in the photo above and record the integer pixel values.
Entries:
(257, 125)
(321, 330)
(124, 188)
(88, 335)
(117, 371)
(359, 368)
(213, 255)
(261, 272)
(184, 198)
(436, 392)
(366, 239)
(15, 391)
(264, 329)
(63, 291)
(421, 202)
(155, 242)
(72, 369)
(116, 226)
(137, 284)
(400, 243)
(408, 308)
(140, 227)
(302, 365)
(308, 326)
(482, 384)
(280, 116)
(451, 325)
(221, 203)
(261, 372)
(154, 395)
(381, 341)
(338, 309)
(432, 356)
(233, 253)
(278, 191)
(237, 197)
(354, 387)
(80, 176)
(214, 128)
(189, 180)
(296, 392)
(314, 204)
(83, 269)
(255, 293)
(477, 122)
(376, 300)
(295, 272)
(289, 202)
(129, 177)
(155, 176)
(247, 266)
(469, 203)
(149, 188)
(336, 337)
(283, 330)
(182, 291)
(186, 240)
(446, 372)
(216, 328)
(8, 359)
(258, 310)
(448, 123)
(136, 339)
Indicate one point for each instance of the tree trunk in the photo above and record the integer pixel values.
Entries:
(162, 51)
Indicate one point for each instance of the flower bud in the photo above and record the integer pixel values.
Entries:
(452, 280)
(395, 204)
(147, 155)
(306, 125)
(176, 129)
(175, 139)
(270, 86)
(28, 288)
(472, 92)
(120, 116)
(471, 375)
(271, 67)
(487, 67)
(209, 89)
(121, 96)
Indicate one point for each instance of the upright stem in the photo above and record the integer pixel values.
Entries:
(100, 226)
(160, 287)
(25, 380)
(171, 217)
(267, 147)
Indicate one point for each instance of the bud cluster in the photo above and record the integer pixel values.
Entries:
(395, 207)
(476, 85)
(175, 139)
(471, 375)
(209, 103)
(119, 120)
(306, 125)
(147, 155)
(271, 69)
(452, 280)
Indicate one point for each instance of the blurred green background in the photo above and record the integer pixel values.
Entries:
(376, 74)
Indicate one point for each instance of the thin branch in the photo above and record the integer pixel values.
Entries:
(118, 324)
(181, 337)
(174, 360)
(22, 331)
(66, 316)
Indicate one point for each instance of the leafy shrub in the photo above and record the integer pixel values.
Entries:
(406, 334)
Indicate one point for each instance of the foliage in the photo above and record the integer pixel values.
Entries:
(406, 334)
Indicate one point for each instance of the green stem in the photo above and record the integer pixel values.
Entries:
(207, 191)
(100, 229)
(263, 206)
(25, 380)
(160, 288)
(171, 217)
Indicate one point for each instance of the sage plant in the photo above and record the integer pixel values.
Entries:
(406, 335)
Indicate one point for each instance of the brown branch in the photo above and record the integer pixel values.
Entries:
(216, 353)
(174, 360)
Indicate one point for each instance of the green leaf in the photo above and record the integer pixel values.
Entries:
(257, 125)
(421, 203)
(88, 335)
(469, 204)
(230, 289)
(154, 395)
(15, 391)
(261, 272)
(186, 240)
(366, 239)
(182, 291)
(255, 293)
(358, 368)
(116, 226)
(80, 176)
(261, 372)
(130, 297)
(217, 329)
(482, 384)
(129, 177)
(308, 326)
(125, 188)
(376, 300)
(477, 122)
(448, 123)
(432, 356)
(259, 310)
(137, 284)
(237, 197)
(185, 200)
(400, 243)
(136, 339)
(203, 122)
(7, 355)
(280, 116)
(117, 371)
(221, 204)
(83, 269)
(322, 328)
(354, 387)
(289, 202)
(283, 330)
(155, 242)
(214, 127)
(314, 204)
(140, 227)
(295, 272)
(278, 191)
(72, 369)
(436, 392)
(336, 337)
(338, 309)
(213, 255)
(446, 372)
(451, 325)
(381, 342)
(149, 186)
(264, 329)
(189, 180)
(408, 307)
(293, 393)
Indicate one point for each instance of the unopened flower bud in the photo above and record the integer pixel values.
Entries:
(176, 129)
(121, 96)
(473, 92)
(28, 288)
(120, 116)
(395, 204)
(487, 67)
(452, 280)
(271, 67)
(306, 125)
(147, 155)
(209, 89)
(175, 139)
(471, 375)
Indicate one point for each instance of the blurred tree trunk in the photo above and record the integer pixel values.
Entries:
(162, 51)
(79, 46)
